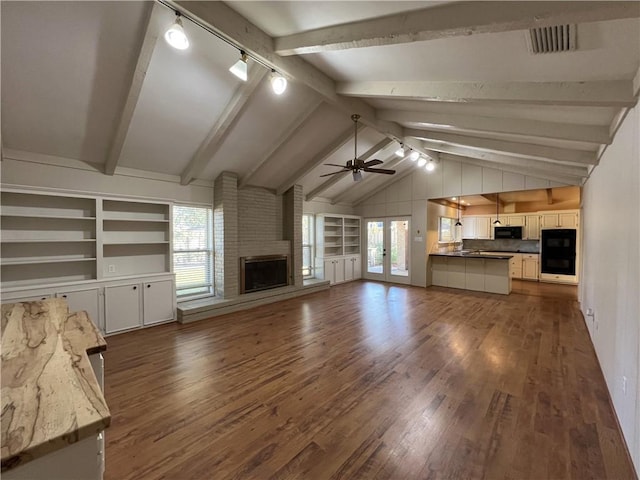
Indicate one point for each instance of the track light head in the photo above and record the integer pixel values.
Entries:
(175, 35)
(414, 156)
(278, 83)
(239, 69)
(422, 162)
(400, 151)
(431, 166)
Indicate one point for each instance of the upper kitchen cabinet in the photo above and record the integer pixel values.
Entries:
(559, 219)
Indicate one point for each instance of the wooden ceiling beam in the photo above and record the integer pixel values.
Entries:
(435, 140)
(562, 131)
(604, 93)
(147, 47)
(446, 21)
(222, 127)
(375, 150)
(317, 160)
(294, 127)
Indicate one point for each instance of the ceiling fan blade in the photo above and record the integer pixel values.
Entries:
(373, 162)
(335, 173)
(335, 165)
(380, 170)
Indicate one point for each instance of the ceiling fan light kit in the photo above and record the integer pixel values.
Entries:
(357, 165)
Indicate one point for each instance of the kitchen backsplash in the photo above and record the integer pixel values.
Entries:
(503, 245)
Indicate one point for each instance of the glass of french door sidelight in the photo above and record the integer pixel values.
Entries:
(388, 253)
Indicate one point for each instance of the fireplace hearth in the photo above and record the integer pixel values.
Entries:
(263, 272)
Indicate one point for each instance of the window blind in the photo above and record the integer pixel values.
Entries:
(192, 250)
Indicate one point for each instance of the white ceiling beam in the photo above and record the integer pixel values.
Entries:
(544, 173)
(432, 140)
(636, 83)
(502, 159)
(375, 150)
(317, 160)
(135, 87)
(222, 127)
(458, 19)
(226, 22)
(605, 93)
(390, 163)
(562, 131)
(288, 134)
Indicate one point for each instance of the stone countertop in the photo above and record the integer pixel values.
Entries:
(50, 395)
(471, 255)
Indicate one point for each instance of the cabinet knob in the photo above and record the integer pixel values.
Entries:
(148, 285)
(64, 296)
(135, 287)
(43, 298)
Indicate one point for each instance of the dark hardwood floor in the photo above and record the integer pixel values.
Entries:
(369, 381)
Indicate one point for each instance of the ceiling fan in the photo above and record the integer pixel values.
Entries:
(357, 165)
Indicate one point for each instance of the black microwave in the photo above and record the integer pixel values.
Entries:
(508, 232)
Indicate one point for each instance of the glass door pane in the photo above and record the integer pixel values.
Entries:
(400, 247)
(375, 247)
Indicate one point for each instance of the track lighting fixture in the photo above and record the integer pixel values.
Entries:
(239, 69)
(422, 162)
(431, 166)
(414, 156)
(278, 83)
(400, 151)
(175, 35)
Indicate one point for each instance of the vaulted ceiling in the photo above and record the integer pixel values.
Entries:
(96, 82)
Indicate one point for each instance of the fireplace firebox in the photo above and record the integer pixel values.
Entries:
(263, 272)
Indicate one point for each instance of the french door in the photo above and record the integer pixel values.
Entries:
(388, 253)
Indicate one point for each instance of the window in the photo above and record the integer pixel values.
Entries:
(192, 250)
(447, 231)
(307, 246)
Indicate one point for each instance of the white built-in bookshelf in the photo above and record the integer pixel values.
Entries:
(50, 239)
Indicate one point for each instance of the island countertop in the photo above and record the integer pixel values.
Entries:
(50, 395)
(472, 255)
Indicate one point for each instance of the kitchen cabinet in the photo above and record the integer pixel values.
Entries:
(477, 227)
(515, 266)
(531, 230)
(456, 272)
(560, 219)
(438, 271)
(352, 268)
(513, 221)
(474, 274)
(530, 267)
(478, 274)
(157, 306)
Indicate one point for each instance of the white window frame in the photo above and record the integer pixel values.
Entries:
(456, 232)
(310, 246)
(207, 288)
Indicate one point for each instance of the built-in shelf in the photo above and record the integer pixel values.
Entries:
(45, 240)
(59, 217)
(29, 261)
(113, 219)
(166, 242)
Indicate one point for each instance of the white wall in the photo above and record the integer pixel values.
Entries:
(611, 272)
(47, 172)
(322, 205)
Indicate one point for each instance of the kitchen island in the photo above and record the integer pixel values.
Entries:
(471, 271)
(53, 408)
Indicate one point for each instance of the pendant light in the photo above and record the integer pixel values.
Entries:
(458, 223)
(497, 220)
(175, 35)
(239, 69)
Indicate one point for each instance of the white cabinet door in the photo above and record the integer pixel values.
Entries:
(568, 220)
(348, 269)
(530, 267)
(483, 228)
(468, 227)
(515, 220)
(532, 228)
(87, 300)
(122, 308)
(339, 270)
(549, 220)
(329, 271)
(439, 271)
(357, 268)
(456, 272)
(158, 302)
(474, 274)
(515, 266)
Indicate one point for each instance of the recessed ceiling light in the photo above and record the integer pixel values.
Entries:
(175, 36)
(455, 198)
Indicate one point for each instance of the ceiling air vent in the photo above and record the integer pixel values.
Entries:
(558, 38)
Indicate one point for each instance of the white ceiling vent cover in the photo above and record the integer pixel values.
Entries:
(558, 38)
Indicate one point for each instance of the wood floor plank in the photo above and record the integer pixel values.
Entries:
(367, 381)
